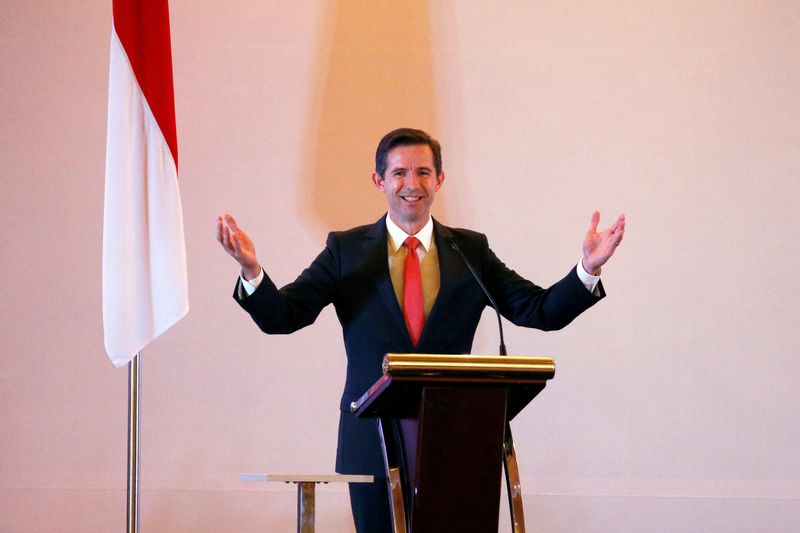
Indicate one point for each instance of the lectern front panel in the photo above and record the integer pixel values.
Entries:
(457, 475)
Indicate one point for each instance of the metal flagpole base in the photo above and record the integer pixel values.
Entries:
(134, 373)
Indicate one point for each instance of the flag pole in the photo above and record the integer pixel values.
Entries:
(145, 286)
(134, 388)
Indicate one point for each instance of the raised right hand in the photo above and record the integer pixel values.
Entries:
(238, 245)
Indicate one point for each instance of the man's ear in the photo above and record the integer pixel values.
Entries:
(377, 179)
(439, 180)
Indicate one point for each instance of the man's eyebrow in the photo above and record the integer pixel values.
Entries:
(405, 169)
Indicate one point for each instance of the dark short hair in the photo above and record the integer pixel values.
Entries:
(406, 137)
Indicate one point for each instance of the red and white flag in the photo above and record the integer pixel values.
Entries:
(145, 289)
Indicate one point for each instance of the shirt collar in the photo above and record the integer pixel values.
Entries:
(397, 236)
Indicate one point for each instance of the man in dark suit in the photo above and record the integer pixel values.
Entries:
(398, 286)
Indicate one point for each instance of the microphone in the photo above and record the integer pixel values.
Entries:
(452, 244)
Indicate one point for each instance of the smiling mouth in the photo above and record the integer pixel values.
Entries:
(411, 199)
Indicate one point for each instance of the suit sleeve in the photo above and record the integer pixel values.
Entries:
(298, 304)
(526, 304)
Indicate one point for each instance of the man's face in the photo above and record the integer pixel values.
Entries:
(409, 183)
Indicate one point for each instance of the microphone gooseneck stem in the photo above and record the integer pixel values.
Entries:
(454, 246)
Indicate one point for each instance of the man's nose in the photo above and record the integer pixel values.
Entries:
(412, 180)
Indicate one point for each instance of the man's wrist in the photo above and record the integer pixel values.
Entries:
(251, 273)
(590, 271)
(589, 281)
(249, 286)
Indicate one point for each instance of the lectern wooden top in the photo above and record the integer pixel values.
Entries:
(404, 374)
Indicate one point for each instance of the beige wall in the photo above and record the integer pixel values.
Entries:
(675, 404)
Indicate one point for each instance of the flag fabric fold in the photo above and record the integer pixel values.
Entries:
(145, 287)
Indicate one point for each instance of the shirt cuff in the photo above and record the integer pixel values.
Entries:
(251, 286)
(589, 281)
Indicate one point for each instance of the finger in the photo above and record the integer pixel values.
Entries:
(619, 226)
(223, 234)
(595, 221)
(231, 222)
(619, 234)
(219, 230)
(226, 240)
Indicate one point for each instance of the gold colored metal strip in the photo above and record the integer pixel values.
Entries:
(513, 487)
(426, 364)
(396, 494)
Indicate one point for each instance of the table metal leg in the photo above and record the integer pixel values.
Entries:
(305, 507)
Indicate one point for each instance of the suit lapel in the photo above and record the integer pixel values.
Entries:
(375, 247)
(451, 267)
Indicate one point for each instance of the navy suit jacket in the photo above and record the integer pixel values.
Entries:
(352, 273)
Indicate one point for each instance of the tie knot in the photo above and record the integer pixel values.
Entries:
(411, 243)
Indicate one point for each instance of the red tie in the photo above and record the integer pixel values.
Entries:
(413, 307)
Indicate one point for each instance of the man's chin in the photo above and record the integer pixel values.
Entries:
(411, 214)
(415, 212)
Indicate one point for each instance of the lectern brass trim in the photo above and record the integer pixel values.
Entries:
(529, 368)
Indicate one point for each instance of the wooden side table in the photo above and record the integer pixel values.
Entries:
(306, 484)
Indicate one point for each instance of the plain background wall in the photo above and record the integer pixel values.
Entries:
(675, 403)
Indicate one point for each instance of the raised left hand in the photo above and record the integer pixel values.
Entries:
(598, 247)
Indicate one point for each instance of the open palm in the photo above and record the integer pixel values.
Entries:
(599, 246)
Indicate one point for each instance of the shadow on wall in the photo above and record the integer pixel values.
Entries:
(373, 74)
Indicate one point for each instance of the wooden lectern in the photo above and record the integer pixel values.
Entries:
(443, 422)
